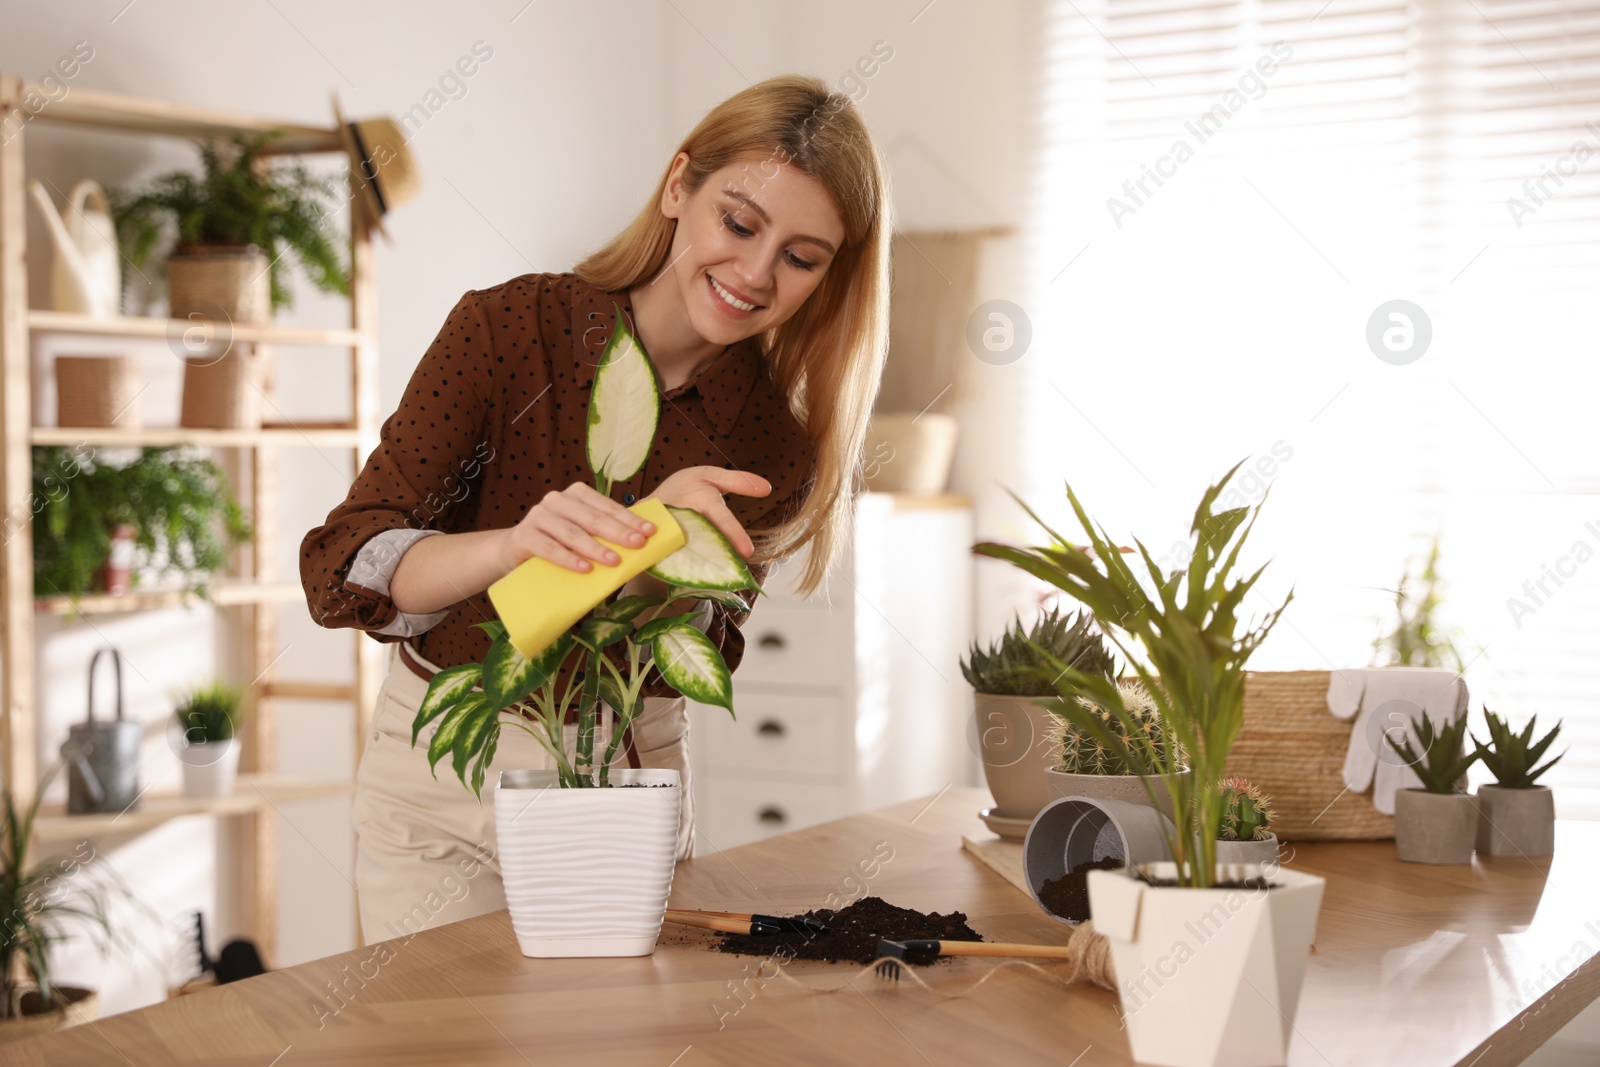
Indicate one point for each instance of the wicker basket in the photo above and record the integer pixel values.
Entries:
(227, 283)
(73, 1007)
(222, 394)
(1293, 749)
(97, 391)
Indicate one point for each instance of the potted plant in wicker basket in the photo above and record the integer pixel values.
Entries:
(1437, 823)
(1517, 817)
(1012, 723)
(1232, 931)
(1086, 767)
(587, 853)
(1246, 835)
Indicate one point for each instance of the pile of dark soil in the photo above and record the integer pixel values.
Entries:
(1068, 896)
(853, 933)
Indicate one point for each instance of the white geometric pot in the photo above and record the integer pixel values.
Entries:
(1261, 850)
(1208, 977)
(587, 871)
(210, 768)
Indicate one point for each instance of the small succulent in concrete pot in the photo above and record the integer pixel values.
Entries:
(1245, 835)
(1516, 817)
(1439, 822)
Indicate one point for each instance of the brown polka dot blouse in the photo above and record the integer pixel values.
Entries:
(494, 417)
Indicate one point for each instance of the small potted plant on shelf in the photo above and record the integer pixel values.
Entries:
(1437, 823)
(1087, 767)
(1012, 723)
(1517, 817)
(587, 855)
(173, 503)
(1233, 931)
(1246, 835)
(207, 719)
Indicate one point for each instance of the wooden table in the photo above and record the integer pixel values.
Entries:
(1413, 966)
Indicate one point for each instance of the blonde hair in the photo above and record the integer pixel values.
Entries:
(827, 359)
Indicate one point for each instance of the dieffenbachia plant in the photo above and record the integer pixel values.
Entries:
(1194, 649)
(473, 701)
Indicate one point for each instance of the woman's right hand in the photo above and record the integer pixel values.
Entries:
(563, 527)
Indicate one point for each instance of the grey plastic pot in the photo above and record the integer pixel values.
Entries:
(1128, 788)
(1434, 827)
(1516, 822)
(1072, 831)
(1258, 851)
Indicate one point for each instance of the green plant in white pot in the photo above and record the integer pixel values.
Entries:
(1246, 835)
(1084, 766)
(586, 852)
(1517, 816)
(207, 720)
(1437, 823)
(1220, 932)
(1009, 678)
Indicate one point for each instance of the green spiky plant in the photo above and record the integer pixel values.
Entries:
(1191, 634)
(616, 645)
(209, 713)
(235, 201)
(1418, 639)
(1246, 812)
(1012, 666)
(1080, 752)
(1439, 758)
(1513, 758)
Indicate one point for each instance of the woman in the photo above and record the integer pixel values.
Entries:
(756, 279)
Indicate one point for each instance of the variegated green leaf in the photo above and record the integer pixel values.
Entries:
(485, 758)
(472, 736)
(598, 633)
(707, 560)
(444, 738)
(447, 687)
(655, 627)
(692, 665)
(493, 627)
(628, 608)
(508, 675)
(724, 597)
(624, 407)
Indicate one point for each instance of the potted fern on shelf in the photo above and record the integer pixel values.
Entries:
(207, 720)
(1517, 816)
(587, 852)
(1214, 933)
(1012, 723)
(1437, 823)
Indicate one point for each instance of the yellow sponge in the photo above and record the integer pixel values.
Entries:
(539, 600)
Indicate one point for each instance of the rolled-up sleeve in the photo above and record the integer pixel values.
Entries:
(430, 453)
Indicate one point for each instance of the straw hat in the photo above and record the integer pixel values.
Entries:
(381, 167)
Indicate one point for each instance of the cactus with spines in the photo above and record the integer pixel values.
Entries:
(1023, 661)
(1246, 812)
(1080, 753)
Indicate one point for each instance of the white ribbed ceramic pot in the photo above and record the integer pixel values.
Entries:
(587, 871)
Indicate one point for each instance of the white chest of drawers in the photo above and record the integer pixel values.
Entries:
(851, 699)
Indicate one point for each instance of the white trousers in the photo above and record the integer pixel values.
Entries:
(425, 846)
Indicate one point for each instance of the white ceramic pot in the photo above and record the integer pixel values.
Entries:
(1516, 822)
(210, 768)
(587, 871)
(1261, 850)
(1208, 977)
(1125, 787)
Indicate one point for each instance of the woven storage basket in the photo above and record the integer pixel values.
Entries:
(228, 283)
(1293, 749)
(97, 391)
(222, 394)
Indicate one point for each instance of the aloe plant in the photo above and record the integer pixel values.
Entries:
(1011, 666)
(615, 646)
(1190, 633)
(1438, 758)
(1511, 757)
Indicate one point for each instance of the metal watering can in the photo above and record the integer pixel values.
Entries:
(102, 757)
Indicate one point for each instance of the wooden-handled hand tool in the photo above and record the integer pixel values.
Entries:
(729, 922)
(921, 952)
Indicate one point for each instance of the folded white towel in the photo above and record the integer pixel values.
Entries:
(1390, 700)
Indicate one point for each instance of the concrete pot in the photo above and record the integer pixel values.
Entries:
(1434, 827)
(1011, 741)
(1516, 822)
(1207, 977)
(1262, 851)
(587, 872)
(1125, 787)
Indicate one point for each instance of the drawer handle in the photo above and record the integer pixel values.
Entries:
(771, 640)
(772, 816)
(770, 728)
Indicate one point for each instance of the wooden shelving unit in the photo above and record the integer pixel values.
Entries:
(254, 595)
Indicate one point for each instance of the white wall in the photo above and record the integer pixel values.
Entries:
(543, 154)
